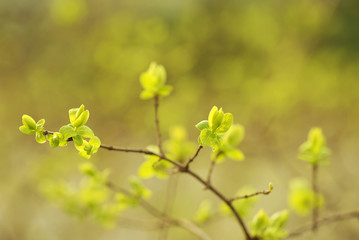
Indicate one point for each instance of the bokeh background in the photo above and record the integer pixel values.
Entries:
(281, 67)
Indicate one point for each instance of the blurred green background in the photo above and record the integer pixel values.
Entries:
(281, 67)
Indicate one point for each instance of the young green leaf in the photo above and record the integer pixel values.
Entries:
(202, 125)
(85, 131)
(29, 122)
(26, 130)
(40, 138)
(82, 119)
(77, 140)
(40, 125)
(68, 131)
(225, 124)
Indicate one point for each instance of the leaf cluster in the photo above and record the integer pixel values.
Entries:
(269, 228)
(314, 150)
(302, 199)
(83, 137)
(153, 81)
(212, 130)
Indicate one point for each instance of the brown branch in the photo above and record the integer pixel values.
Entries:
(193, 157)
(210, 171)
(157, 122)
(323, 221)
(315, 213)
(183, 169)
(264, 192)
(210, 187)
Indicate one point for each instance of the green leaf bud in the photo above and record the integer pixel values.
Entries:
(82, 119)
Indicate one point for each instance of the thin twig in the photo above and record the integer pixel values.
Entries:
(210, 187)
(187, 170)
(210, 171)
(112, 148)
(157, 122)
(315, 213)
(323, 221)
(194, 156)
(264, 192)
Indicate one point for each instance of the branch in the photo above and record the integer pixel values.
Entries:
(184, 169)
(166, 221)
(323, 221)
(210, 171)
(264, 192)
(146, 152)
(194, 156)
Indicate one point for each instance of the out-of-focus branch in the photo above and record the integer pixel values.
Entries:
(323, 221)
(165, 220)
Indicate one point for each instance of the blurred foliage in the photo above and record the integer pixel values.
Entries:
(280, 67)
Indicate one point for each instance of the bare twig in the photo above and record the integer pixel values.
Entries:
(187, 170)
(194, 156)
(323, 221)
(264, 192)
(210, 171)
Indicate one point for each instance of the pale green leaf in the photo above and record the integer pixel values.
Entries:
(77, 140)
(95, 141)
(235, 154)
(211, 116)
(225, 124)
(40, 138)
(26, 130)
(72, 115)
(85, 131)
(82, 119)
(146, 94)
(29, 122)
(235, 135)
(165, 90)
(202, 125)
(68, 131)
(207, 138)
